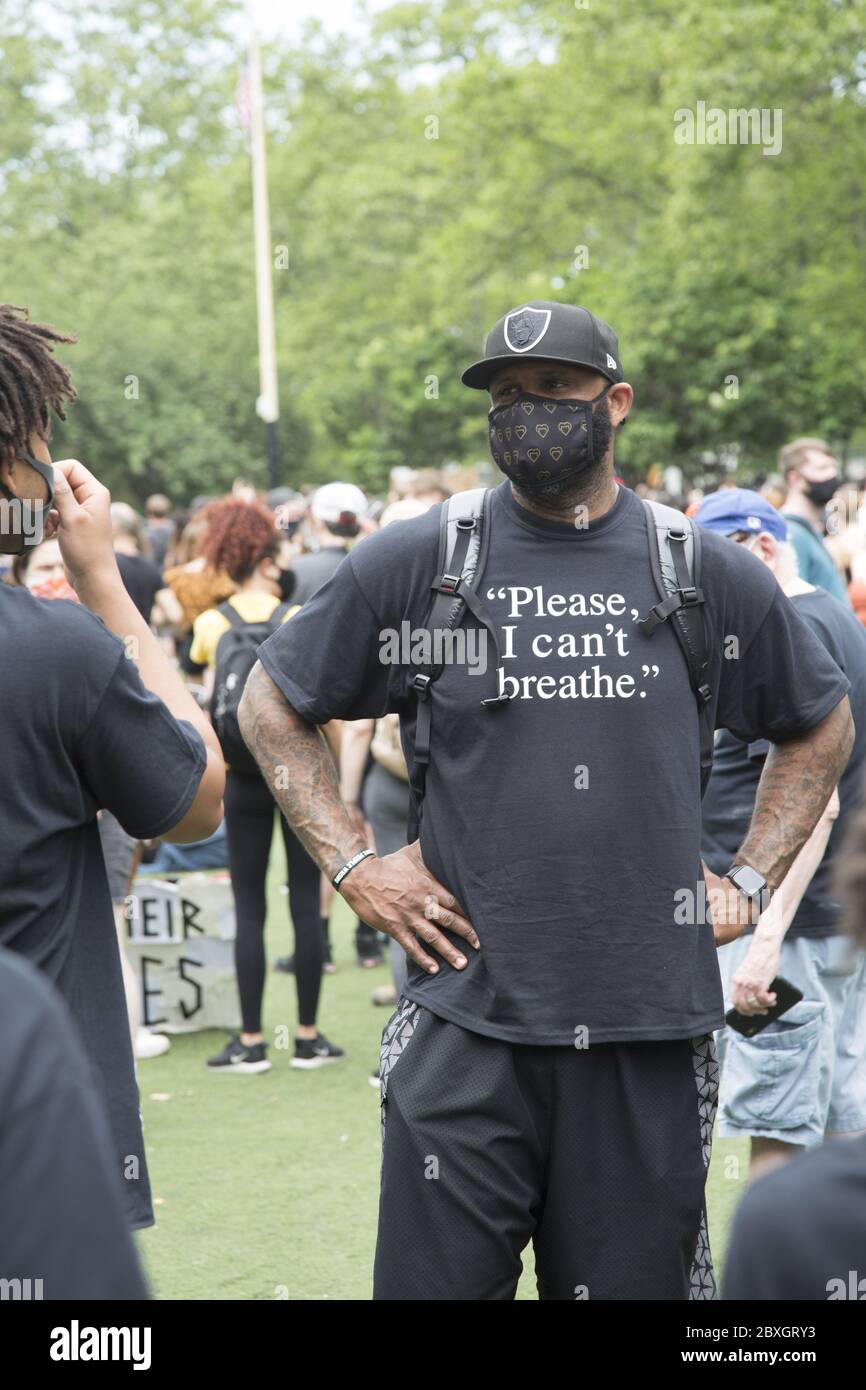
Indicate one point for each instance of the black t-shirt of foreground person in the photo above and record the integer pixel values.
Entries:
(63, 1232)
(81, 710)
(571, 890)
(800, 1232)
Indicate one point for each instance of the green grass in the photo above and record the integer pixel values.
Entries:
(267, 1186)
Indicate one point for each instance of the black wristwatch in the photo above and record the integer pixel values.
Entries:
(751, 884)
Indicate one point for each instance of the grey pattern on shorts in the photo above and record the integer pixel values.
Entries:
(395, 1038)
(703, 1283)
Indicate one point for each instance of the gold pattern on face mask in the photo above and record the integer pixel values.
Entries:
(533, 455)
(550, 407)
(520, 431)
(565, 427)
(542, 430)
(556, 453)
(527, 406)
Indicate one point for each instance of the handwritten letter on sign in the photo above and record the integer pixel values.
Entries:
(180, 942)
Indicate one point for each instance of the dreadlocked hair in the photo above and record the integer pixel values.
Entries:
(32, 382)
(238, 536)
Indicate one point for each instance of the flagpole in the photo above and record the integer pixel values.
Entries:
(267, 405)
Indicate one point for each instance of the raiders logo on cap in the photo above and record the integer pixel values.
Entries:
(526, 327)
(544, 328)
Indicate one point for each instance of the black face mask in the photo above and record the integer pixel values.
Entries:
(540, 444)
(820, 493)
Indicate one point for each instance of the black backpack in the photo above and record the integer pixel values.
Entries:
(236, 655)
(464, 539)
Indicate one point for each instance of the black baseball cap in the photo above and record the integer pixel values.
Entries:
(558, 332)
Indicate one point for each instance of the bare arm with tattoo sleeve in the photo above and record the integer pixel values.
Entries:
(397, 893)
(798, 780)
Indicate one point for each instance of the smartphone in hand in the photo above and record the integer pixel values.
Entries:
(787, 995)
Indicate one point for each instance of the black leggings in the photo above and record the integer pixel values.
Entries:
(249, 809)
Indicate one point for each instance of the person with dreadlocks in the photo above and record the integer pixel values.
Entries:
(94, 718)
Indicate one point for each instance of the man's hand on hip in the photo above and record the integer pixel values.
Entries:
(397, 894)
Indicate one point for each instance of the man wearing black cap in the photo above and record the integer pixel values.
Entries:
(549, 1073)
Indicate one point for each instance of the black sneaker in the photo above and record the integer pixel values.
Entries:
(236, 1056)
(315, 1052)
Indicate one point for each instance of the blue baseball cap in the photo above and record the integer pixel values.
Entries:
(739, 509)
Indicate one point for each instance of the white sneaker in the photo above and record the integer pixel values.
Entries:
(149, 1044)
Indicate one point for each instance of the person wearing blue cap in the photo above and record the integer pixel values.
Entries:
(549, 1074)
(803, 1077)
(735, 510)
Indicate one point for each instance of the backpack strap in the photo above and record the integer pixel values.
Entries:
(231, 614)
(675, 560)
(279, 613)
(464, 539)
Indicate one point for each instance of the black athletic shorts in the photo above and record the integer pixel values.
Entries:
(596, 1155)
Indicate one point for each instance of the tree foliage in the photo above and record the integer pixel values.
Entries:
(466, 156)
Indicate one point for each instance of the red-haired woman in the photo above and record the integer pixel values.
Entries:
(241, 540)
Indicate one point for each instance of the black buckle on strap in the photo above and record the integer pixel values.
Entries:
(690, 596)
(448, 584)
(421, 685)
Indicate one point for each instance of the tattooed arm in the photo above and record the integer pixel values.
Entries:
(397, 894)
(798, 780)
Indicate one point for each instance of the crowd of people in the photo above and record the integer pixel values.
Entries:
(164, 662)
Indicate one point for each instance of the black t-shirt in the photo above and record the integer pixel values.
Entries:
(62, 1220)
(800, 1232)
(566, 821)
(82, 734)
(313, 570)
(141, 580)
(737, 767)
